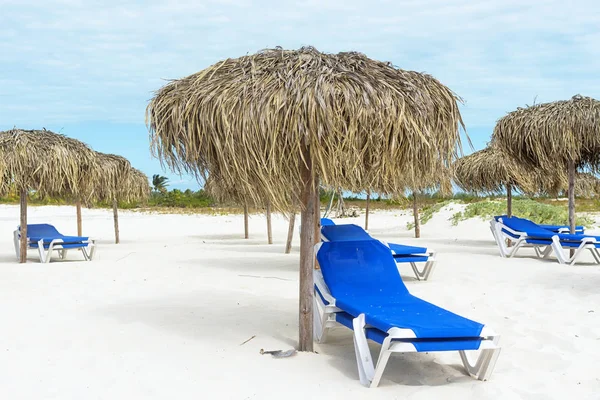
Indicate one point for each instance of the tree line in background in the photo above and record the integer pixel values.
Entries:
(161, 196)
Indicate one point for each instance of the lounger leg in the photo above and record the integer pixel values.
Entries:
(499, 241)
(17, 239)
(366, 371)
(384, 357)
(595, 254)
(484, 366)
(427, 270)
(92, 247)
(320, 318)
(44, 256)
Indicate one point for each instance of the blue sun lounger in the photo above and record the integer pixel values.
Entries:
(526, 233)
(359, 287)
(401, 253)
(553, 228)
(46, 238)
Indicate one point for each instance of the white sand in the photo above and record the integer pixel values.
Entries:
(162, 315)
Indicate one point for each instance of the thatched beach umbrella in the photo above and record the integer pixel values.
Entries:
(119, 181)
(48, 163)
(112, 171)
(558, 136)
(135, 187)
(491, 171)
(277, 122)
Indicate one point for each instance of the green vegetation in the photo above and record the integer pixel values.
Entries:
(160, 183)
(542, 210)
(541, 213)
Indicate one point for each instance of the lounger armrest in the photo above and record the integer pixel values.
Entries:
(319, 282)
(502, 227)
(487, 332)
(401, 333)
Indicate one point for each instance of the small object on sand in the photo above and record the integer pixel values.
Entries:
(279, 353)
(253, 336)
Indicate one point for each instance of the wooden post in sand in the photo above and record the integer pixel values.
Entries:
(571, 195)
(509, 200)
(367, 211)
(317, 213)
(79, 229)
(269, 230)
(290, 235)
(416, 216)
(307, 254)
(116, 219)
(23, 227)
(246, 236)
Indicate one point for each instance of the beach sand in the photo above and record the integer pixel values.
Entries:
(163, 315)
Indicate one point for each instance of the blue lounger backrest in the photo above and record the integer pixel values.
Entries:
(326, 222)
(363, 268)
(553, 228)
(42, 230)
(336, 233)
(527, 226)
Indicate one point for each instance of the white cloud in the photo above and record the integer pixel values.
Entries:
(101, 60)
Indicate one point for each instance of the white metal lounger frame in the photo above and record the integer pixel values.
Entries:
(421, 275)
(587, 243)
(370, 374)
(498, 228)
(56, 244)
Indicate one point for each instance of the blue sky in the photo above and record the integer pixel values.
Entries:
(88, 68)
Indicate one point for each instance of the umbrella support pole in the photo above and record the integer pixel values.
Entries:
(290, 236)
(269, 229)
(571, 193)
(116, 220)
(509, 242)
(79, 228)
(416, 216)
(246, 235)
(367, 211)
(23, 243)
(307, 254)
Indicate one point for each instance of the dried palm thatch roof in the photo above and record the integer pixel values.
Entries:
(552, 134)
(113, 173)
(118, 180)
(490, 170)
(219, 191)
(135, 188)
(250, 121)
(49, 163)
(586, 184)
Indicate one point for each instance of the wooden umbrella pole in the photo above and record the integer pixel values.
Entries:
(571, 195)
(509, 242)
(367, 210)
(79, 230)
(246, 236)
(116, 219)
(23, 243)
(317, 236)
(509, 200)
(416, 216)
(307, 240)
(269, 229)
(290, 236)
